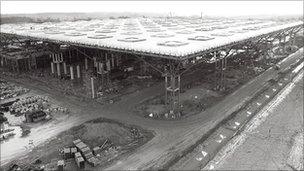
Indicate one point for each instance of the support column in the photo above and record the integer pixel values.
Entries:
(29, 63)
(58, 69)
(220, 75)
(223, 73)
(78, 71)
(93, 88)
(104, 80)
(108, 64)
(112, 61)
(72, 72)
(2, 62)
(65, 68)
(166, 92)
(86, 63)
(284, 44)
(143, 68)
(172, 100)
(118, 60)
(95, 61)
(217, 71)
(52, 68)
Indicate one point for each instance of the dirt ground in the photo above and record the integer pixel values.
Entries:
(93, 133)
(276, 144)
(21, 141)
(171, 137)
(196, 96)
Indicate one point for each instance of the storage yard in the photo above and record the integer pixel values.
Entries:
(137, 93)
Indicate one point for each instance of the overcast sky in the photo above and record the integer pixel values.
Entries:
(226, 8)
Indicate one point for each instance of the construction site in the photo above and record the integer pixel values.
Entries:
(137, 93)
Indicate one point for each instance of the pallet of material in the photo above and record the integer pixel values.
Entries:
(81, 145)
(93, 161)
(88, 155)
(75, 142)
(85, 150)
(96, 150)
(79, 160)
(78, 154)
(60, 165)
(73, 151)
(67, 153)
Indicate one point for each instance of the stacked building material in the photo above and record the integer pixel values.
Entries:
(73, 151)
(93, 161)
(75, 142)
(60, 165)
(86, 153)
(79, 160)
(28, 104)
(80, 146)
(67, 153)
(96, 150)
(8, 90)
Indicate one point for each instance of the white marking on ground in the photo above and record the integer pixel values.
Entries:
(199, 158)
(235, 142)
(204, 153)
(298, 68)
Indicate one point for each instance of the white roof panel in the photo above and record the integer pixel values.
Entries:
(174, 37)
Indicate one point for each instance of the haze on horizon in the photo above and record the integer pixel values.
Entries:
(177, 8)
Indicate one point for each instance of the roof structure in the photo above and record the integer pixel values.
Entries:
(175, 37)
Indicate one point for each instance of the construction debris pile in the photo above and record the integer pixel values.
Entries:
(9, 90)
(34, 108)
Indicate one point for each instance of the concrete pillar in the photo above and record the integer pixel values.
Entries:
(112, 60)
(100, 68)
(86, 63)
(173, 82)
(52, 67)
(65, 68)
(108, 64)
(166, 90)
(55, 57)
(93, 88)
(29, 63)
(61, 57)
(17, 65)
(117, 60)
(72, 72)
(58, 69)
(78, 71)
(95, 61)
